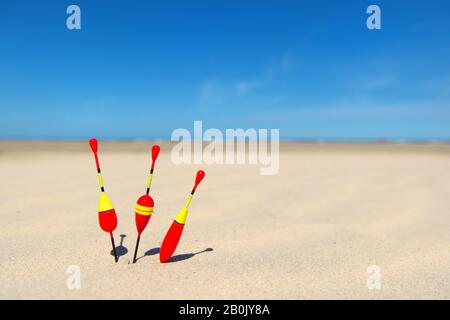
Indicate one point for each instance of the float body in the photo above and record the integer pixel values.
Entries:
(173, 235)
(143, 212)
(106, 214)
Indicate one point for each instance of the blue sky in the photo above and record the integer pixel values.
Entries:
(140, 69)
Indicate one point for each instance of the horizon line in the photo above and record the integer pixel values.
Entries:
(283, 140)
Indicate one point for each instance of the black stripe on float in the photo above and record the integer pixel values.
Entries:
(151, 171)
(148, 190)
(103, 189)
(98, 170)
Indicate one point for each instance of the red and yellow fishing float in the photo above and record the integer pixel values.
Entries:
(106, 214)
(145, 204)
(173, 236)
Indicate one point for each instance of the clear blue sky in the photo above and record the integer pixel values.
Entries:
(140, 69)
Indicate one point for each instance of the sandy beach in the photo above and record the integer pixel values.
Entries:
(309, 232)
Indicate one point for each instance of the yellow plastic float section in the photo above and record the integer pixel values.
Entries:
(146, 211)
(104, 204)
(182, 215)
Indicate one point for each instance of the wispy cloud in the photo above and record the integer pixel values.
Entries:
(378, 82)
(214, 91)
(283, 64)
(209, 88)
(354, 112)
(214, 87)
(245, 86)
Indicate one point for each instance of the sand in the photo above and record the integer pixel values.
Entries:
(310, 232)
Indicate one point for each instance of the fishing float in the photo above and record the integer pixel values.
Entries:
(106, 214)
(144, 205)
(173, 236)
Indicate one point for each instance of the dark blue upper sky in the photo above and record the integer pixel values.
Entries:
(140, 69)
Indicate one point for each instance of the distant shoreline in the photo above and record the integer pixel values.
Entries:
(40, 146)
(282, 140)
